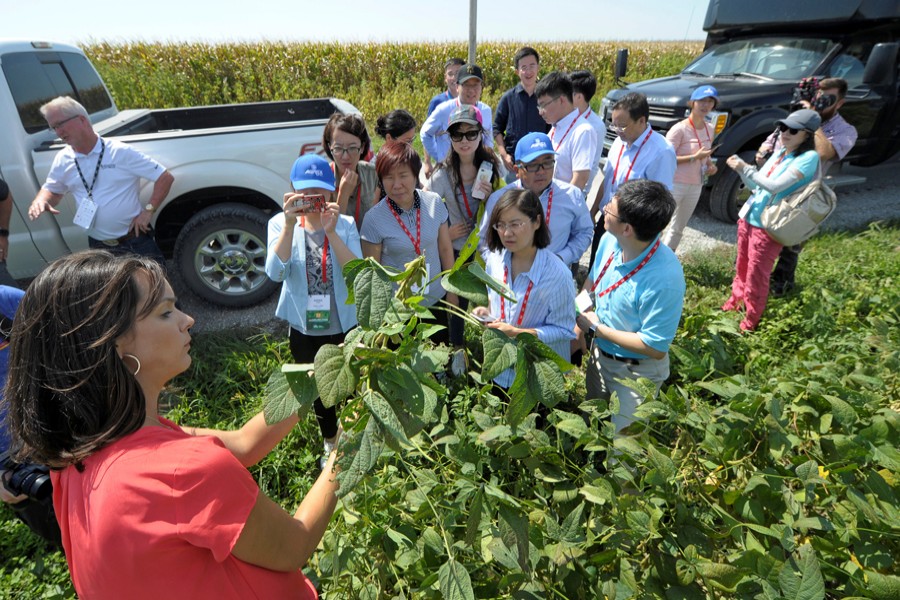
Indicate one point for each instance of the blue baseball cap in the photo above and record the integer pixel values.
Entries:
(705, 91)
(533, 145)
(312, 171)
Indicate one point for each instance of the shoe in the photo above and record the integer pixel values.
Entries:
(458, 362)
(780, 288)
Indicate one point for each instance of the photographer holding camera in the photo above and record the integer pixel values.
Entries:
(834, 139)
(25, 487)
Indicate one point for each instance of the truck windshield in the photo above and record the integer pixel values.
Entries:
(769, 58)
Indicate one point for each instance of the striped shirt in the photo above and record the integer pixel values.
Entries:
(571, 227)
(551, 305)
(380, 226)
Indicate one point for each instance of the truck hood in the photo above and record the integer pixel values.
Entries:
(675, 90)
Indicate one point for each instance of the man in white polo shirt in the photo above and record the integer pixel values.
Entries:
(584, 86)
(574, 140)
(104, 176)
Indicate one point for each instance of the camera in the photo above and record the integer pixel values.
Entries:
(310, 204)
(806, 90)
(26, 478)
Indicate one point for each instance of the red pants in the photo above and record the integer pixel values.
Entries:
(756, 254)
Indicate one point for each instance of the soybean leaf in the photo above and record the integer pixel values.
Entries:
(281, 401)
(373, 292)
(522, 396)
(547, 382)
(473, 522)
(723, 576)
(573, 529)
(499, 353)
(383, 413)
(661, 462)
(517, 533)
(468, 249)
(464, 283)
(358, 454)
(801, 578)
(336, 379)
(499, 287)
(539, 350)
(455, 582)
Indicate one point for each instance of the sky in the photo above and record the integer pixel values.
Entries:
(350, 20)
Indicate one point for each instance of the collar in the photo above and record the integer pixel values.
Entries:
(537, 266)
(94, 150)
(566, 120)
(417, 203)
(637, 141)
(635, 261)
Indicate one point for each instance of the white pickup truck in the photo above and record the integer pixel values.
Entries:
(230, 165)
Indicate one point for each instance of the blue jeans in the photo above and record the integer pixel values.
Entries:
(142, 245)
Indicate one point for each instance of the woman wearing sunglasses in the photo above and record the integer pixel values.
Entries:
(517, 238)
(455, 181)
(346, 142)
(786, 171)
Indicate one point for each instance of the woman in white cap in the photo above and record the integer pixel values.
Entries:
(786, 171)
(692, 139)
(309, 243)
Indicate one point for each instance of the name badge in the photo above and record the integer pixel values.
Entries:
(584, 302)
(318, 312)
(87, 210)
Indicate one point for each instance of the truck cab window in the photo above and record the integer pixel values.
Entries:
(850, 64)
(36, 79)
(775, 58)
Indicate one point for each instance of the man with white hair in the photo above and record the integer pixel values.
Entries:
(104, 177)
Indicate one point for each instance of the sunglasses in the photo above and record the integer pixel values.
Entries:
(782, 128)
(471, 135)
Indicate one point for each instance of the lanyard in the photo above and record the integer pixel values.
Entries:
(90, 190)
(524, 300)
(634, 160)
(627, 277)
(549, 204)
(324, 257)
(417, 241)
(465, 199)
(777, 162)
(552, 131)
(697, 135)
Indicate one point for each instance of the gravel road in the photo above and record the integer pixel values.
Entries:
(876, 199)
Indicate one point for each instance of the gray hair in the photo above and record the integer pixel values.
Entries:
(69, 107)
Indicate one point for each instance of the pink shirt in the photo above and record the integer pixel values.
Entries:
(156, 514)
(684, 139)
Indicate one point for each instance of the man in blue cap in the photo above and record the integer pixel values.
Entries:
(565, 211)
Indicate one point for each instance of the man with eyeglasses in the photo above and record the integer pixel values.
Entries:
(637, 153)
(632, 299)
(104, 176)
(469, 80)
(517, 112)
(574, 139)
(565, 211)
(834, 139)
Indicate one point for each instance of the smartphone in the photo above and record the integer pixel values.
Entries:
(484, 174)
(485, 318)
(310, 204)
(714, 148)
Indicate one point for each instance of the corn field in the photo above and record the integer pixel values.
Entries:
(375, 77)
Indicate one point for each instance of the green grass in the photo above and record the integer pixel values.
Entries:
(838, 313)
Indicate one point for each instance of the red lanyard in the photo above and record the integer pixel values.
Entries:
(627, 277)
(571, 125)
(549, 204)
(777, 162)
(324, 257)
(524, 300)
(417, 242)
(697, 135)
(634, 160)
(465, 199)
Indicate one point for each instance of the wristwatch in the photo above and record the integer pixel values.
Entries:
(149, 207)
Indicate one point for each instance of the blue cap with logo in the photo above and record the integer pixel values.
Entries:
(532, 146)
(705, 91)
(312, 171)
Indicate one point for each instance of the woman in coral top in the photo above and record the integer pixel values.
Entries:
(147, 509)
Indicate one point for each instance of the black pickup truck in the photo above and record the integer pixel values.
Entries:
(756, 54)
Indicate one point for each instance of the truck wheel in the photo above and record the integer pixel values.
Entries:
(728, 192)
(221, 253)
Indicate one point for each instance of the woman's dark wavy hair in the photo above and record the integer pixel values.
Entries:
(527, 203)
(451, 162)
(69, 393)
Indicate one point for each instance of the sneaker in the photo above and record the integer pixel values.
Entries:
(458, 362)
(780, 288)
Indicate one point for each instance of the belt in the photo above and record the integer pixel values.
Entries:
(120, 240)
(624, 359)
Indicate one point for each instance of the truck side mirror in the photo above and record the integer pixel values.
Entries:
(881, 65)
(621, 62)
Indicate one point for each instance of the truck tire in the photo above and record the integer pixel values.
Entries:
(221, 254)
(729, 193)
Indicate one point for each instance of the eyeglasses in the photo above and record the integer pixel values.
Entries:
(63, 122)
(620, 128)
(543, 106)
(531, 67)
(346, 151)
(607, 213)
(471, 135)
(513, 226)
(546, 165)
(782, 128)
